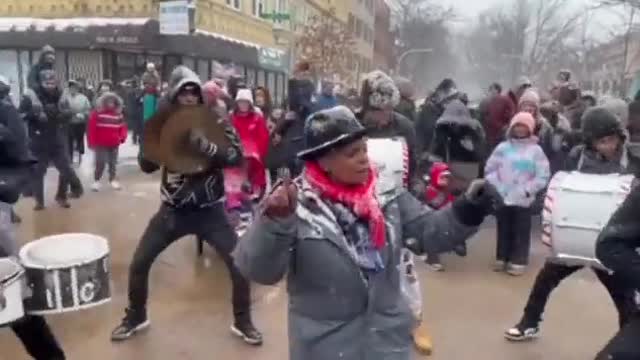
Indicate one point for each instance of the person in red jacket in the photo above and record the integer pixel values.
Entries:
(438, 195)
(106, 130)
(254, 135)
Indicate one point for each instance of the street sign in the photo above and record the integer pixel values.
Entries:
(276, 16)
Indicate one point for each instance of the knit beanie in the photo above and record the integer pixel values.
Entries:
(523, 118)
(598, 122)
(382, 93)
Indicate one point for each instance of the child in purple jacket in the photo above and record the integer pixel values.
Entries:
(519, 169)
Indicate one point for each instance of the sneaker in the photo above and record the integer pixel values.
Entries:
(15, 218)
(433, 263)
(522, 332)
(247, 332)
(460, 250)
(499, 266)
(95, 186)
(38, 207)
(516, 270)
(115, 185)
(63, 203)
(132, 323)
(435, 266)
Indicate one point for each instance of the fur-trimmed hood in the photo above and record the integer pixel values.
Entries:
(181, 76)
(102, 99)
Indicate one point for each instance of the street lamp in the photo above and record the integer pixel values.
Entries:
(404, 55)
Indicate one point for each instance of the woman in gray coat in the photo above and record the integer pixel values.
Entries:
(337, 234)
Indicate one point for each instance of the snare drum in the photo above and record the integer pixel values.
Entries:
(11, 307)
(391, 158)
(577, 206)
(66, 272)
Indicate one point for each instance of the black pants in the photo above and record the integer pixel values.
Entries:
(514, 235)
(169, 225)
(624, 345)
(76, 139)
(106, 157)
(37, 338)
(552, 274)
(59, 157)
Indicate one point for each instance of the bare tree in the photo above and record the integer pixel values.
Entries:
(420, 25)
(532, 37)
(327, 44)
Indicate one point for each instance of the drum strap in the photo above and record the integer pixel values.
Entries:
(624, 159)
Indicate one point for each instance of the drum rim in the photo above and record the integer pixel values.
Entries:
(69, 309)
(26, 261)
(15, 276)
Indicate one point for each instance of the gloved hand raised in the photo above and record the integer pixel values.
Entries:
(199, 141)
(282, 202)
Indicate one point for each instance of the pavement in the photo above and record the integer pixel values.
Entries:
(466, 308)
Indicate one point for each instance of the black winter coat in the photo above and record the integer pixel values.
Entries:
(47, 116)
(618, 243)
(15, 157)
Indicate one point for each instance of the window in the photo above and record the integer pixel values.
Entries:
(351, 25)
(234, 4)
(258, 8)
(281, 6)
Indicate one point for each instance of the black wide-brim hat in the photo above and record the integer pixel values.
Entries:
(329, 129)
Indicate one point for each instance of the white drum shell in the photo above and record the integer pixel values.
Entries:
(11, 275)
(66, 272)
(579, 206)
(391, 158)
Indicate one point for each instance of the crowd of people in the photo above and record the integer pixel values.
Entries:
(312, 152)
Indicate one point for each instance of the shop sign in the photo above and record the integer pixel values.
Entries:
(272, 59)
(175, 17)
(117, 39)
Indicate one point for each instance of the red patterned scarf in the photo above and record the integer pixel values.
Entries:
(360, 199)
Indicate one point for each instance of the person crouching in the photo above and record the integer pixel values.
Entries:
(519, 169)
(107, 130)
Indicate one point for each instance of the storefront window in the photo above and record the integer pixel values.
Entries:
(251, 77)
(271, 85)
(281, 89)
(126, 65)
(261, 78)
(189, 62)
(203, 70)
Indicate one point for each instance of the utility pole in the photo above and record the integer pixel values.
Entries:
(625, 56)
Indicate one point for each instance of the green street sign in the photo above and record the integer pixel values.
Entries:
(275, 16)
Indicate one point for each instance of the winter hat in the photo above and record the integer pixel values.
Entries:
(619, 108)
(151, 66)
(598, 122)
(530, 96)
(244, 94)
(523, 81)
(329, 129)
(523, 118)
(379, 91)
(48, 49)
(212, 92)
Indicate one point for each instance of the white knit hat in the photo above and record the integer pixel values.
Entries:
(244, 94)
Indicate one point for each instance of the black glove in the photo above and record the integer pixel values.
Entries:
(199, 141)
(480, 199)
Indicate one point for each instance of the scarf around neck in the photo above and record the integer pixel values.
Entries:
(359, 199)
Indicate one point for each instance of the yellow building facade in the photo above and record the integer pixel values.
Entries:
(238, 19)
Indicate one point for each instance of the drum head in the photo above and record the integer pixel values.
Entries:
(8, 270)
(64, 250)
